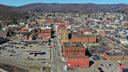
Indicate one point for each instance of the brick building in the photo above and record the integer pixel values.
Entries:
(75, 62)
(73, 49)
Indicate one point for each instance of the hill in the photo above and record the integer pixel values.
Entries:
(11, 12)
(77, 7)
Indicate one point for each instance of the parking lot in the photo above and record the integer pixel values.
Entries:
(110, 66)
(27, 54)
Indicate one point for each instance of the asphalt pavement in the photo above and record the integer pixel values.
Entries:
(56, 54)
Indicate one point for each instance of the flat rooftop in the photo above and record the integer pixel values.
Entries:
(118, 52)
(82, 35)
(73, 44)
(98, 49)
(78, 57)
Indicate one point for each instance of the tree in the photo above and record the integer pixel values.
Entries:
(0, 26)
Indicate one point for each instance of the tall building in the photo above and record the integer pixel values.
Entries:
(64, 34)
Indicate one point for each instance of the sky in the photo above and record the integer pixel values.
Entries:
(24, 2)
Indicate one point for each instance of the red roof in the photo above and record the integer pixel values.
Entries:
(122, 66)
(77, 62)
(48, 35)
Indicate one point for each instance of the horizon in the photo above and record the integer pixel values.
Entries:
(25, 2)
(61, 3)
